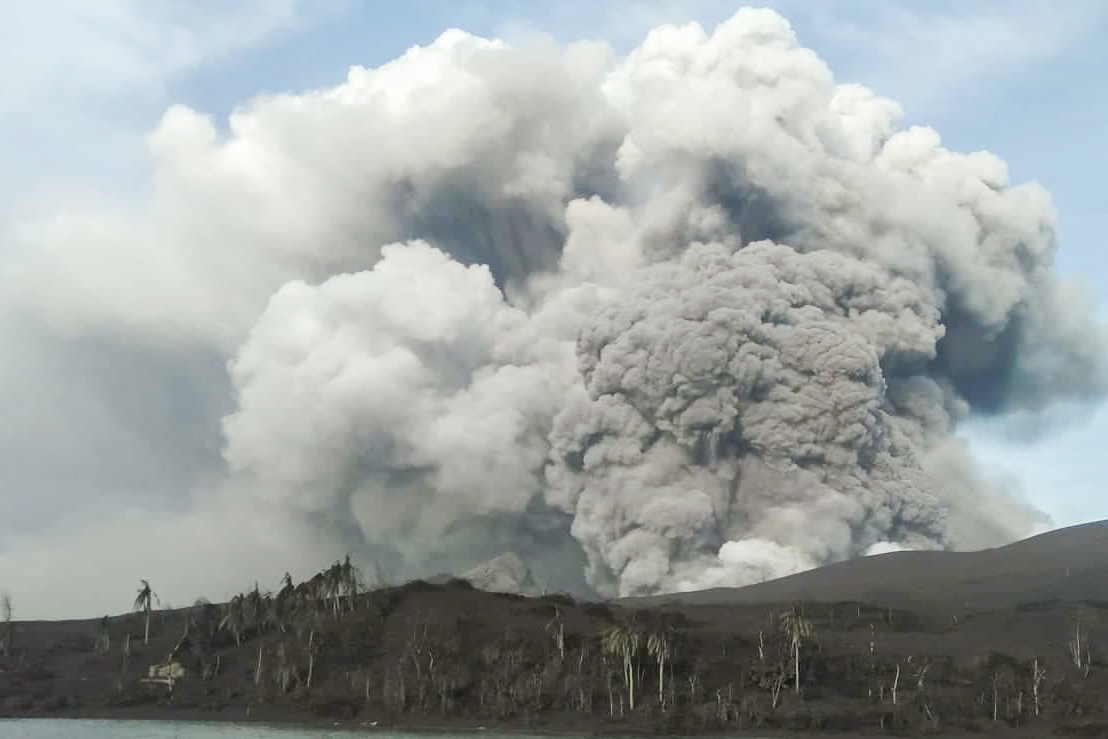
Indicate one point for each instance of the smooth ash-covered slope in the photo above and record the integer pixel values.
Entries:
(1069, 564)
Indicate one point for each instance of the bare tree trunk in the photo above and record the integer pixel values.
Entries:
(631, 694)
(996, 679)
(629, 673)
(777, 684)
(796, 665)
(9, 626)
(662, 680)
(1079, 649)
(611, 698)
(124, 662)
(146, 634)
(1037, 675)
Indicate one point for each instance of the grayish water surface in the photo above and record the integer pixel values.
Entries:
(79, 729)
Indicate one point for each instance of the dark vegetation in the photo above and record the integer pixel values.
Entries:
(422, 655)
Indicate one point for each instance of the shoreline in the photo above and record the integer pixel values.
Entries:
(295, 722)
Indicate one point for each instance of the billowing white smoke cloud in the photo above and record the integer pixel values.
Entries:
(701, 312)
(796, 303)
(412, 392)
(884, 547)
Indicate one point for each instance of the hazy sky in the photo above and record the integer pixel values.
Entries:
(83, 84)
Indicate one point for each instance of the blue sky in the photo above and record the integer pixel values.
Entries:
(82, 84)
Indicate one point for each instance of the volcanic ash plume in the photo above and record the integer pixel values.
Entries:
(699, 313)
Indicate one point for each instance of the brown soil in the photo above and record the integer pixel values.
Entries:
(963, 632)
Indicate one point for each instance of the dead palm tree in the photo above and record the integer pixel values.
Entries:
(276, 612)
(311, 621)
(284, 669)
(622, 642)
(234, 619)
(313, 652)
(143, 602)
(104, 637)
(332, 586)
(254, 609)
(287, 588)
(796, 630)
(556, 628)
(380, 580)
(351, 579)
(659, 645)
(9, 625)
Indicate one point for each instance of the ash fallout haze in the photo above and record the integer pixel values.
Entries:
(678, 313)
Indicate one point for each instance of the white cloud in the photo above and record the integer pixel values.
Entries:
(93, 425)
(73, 52)
(93, 568)
(82, 81)
(935, 55)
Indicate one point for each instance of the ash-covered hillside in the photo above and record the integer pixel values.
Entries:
(1028, 656)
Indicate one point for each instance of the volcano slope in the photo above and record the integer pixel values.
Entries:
(1068, 564)
(1002, 641)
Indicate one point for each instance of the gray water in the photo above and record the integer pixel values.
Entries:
(79, 729)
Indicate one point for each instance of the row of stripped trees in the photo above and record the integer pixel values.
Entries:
(515, 676)
(430, 663)
(336, 589)
(338, 585)
(288, 626)
(631, 661)
(295, 613)
(626, 643)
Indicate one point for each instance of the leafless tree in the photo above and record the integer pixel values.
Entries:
(313, 653)
(1038, 674)
(258, 667)
(9, 625)
(1079, 649)
(556, 628)
(896, 683)
(103, 636)
(234, 618)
